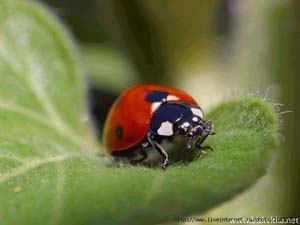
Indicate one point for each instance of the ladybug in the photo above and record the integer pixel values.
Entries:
(145, 115)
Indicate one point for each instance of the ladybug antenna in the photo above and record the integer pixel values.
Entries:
(215, 118)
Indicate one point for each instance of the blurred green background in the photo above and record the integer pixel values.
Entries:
(214, 50)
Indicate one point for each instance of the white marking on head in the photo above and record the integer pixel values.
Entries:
(155, 106)
(197, 112)
(172, 98)
(186, 124)
(165, 129)
(195, 119)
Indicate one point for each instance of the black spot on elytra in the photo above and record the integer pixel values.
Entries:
(156, 96)
(119, 132)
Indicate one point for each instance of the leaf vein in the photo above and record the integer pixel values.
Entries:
(32, 165)
(58, 201)
(34, 80)
(74, 138)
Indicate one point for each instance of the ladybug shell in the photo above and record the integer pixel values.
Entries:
(130, 116)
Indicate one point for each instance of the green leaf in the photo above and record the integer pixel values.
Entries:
(49, 171)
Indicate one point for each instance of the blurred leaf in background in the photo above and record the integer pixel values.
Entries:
(155, 37)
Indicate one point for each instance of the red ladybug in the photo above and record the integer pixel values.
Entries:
(145, 115)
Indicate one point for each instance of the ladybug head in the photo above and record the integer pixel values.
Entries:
(193, 126)
(178, 118)
(189, 126)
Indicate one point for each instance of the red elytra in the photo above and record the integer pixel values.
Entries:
(130, 116)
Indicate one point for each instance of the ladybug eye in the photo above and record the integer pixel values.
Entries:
(196, 130)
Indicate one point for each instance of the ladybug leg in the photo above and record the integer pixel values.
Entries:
(160, 150)
(189, 143)
(203, 149)
(201, 140)
(163, 154)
